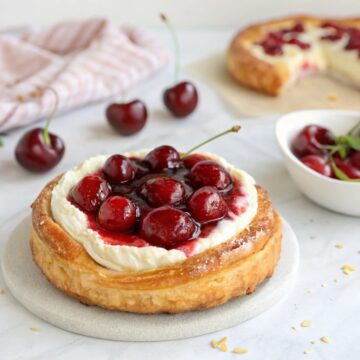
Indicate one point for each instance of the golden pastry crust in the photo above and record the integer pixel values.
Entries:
(258, 74)
(202, 281)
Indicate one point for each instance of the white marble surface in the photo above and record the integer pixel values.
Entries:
(333, 308)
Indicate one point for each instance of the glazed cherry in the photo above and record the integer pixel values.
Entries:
(206, 205)
(167, 227)
(318, 163)
(181, 100)
(127, 118)
(347, 168)
(311, 139)
(34, 154)
(209, 173)
(272, 45)
(161, 191)
(355, 159)
(193, 159)
(90, 192)
(118, 169)
(117, 213)
(163, 157)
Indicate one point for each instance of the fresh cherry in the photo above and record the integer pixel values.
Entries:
(206, 205)
(355, 159)
(163, 157)
(318, 163)
(210, 173)
(39, 150)
(181, 99)
(161, 191)
(127, 118)
(311, 139)
(118, 169)
(346, 166)
(193, 159)
(35, 154)
(117, 213)
(167, 227)
(90, 192)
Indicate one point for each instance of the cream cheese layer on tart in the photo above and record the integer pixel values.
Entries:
(131, 252)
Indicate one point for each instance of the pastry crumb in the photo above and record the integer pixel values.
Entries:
(348, 269)
(2, 292)
(339, 246)
(336, 280)
(309, 291)
(312, 237)
(240, 350)
(312, 342)
(294, 328)
(306, 323)
(332, 97)
(34, 329)
(323, 285)
(307, 351)
(220, 344)
(20, 98)
(325, 339)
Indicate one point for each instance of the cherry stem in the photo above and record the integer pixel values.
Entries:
(354, 128)
(176, 44)
(51, 117)
(235, 128)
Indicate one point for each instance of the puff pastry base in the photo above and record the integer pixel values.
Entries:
(202, 281)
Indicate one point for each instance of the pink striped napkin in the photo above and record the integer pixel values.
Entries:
(83, 61)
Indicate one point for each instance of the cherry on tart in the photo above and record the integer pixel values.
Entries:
(207, 205)
(127, 118)
(39, 150)
(117, 213)
(162, 190)
(182, 98)
(90, 192)
(167, 227)
(118, 169)
(163, 157)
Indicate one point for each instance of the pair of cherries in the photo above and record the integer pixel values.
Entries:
(164, 198)
(181, 99)
(336, 157)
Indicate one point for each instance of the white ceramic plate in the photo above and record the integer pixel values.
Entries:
(31, 288)
(336, 195)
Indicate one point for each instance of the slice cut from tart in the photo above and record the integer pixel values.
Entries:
(150, 232)
(269, 57)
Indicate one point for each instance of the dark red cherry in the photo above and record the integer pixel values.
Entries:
(181, 99)
(272, 45)
(193, 159)
(161, 191)
(354, 40)
(311, 139)
(206, 205)
(355, 159)
(127, 118)
(90, 192)
(117, 213)
(34, 154)
(347, 168)
(163, 157)
(318, 163)
(167, 227)
(209, 173)
(118, 169)
(302, 45)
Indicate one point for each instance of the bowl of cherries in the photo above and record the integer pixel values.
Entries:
(321, 149)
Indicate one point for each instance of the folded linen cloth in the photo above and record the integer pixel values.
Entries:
(83, 61)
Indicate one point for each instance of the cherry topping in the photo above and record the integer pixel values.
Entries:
(311, 140)
(118, 169)
(298, 43)
(181, 99)
(161, 191)
(127, 118)
(163, 157)
(34, 154)
(206, 205)
(167, 227)
(117, 213)
(318, 163)
(90, 192)
(273, 44)
(193, 159)
(209, 173)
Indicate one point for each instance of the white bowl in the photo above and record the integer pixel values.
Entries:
(336, 195)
